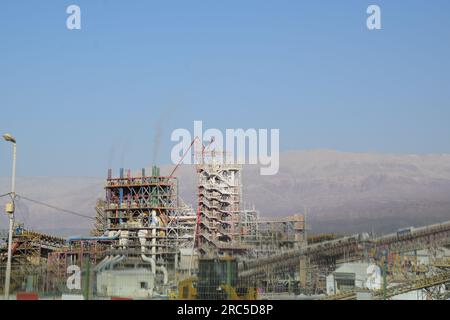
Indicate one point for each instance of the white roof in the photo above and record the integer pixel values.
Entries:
(358, 268)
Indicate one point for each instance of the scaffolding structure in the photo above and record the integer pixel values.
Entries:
(141, 221)
(143, 212)
(270, 236)
(219, 211)
(30, 250)
(248, 225)
(80, 254)
(101, 222)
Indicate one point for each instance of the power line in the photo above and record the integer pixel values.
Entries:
(6, 194)
(56, 208)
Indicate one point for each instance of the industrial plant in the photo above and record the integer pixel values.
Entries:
(147, 243)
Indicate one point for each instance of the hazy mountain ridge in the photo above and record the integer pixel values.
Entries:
(341, 192)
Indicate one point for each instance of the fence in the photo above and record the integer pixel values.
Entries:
(87, 282)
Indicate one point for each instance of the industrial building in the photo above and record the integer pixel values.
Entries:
(146, 243)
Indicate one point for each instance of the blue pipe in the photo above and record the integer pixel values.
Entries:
(120, 197)
(120, 204)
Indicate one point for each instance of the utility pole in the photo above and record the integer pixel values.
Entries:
(385, 267)
(10, 212)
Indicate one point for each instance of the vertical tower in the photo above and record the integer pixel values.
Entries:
(219, 190)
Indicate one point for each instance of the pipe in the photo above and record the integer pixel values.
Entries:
(123, 239)
(120, 205)
(164, 271)
(151, 261)
(120, 197)
(154, 224)
(112, 233)
(110, 262)
(152, 268)
(142, 235)
(154, 244)
(105, 264)
(116, 261)
(101, 264)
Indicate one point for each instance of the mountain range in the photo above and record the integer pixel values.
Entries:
(340, 192)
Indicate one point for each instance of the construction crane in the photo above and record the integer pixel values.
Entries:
(204, 150)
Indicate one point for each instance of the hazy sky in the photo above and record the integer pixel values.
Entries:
(81, 101)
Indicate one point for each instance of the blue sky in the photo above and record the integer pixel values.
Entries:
(79, 102)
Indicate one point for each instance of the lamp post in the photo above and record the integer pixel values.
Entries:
(10, 211)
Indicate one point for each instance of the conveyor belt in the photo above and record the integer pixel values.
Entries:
(412, 285)
(349, 246)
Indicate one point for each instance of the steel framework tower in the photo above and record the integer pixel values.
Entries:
(219, 193)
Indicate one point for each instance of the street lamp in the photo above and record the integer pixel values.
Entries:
(10, 211)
